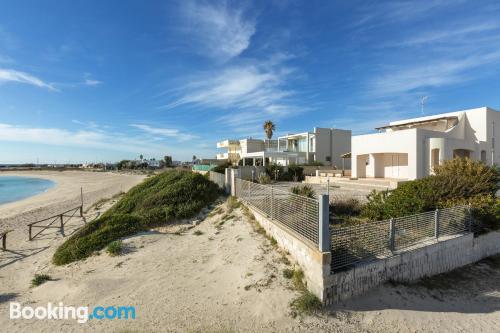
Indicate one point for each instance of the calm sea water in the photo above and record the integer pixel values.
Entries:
(13, 188)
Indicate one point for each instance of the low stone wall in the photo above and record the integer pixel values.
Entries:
(431, 259)
(315, 264)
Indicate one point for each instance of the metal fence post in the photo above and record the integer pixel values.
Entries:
(392, 235)
(469, 217)
(324, 223)
(436, 224)
(272, 202)
(227, 180)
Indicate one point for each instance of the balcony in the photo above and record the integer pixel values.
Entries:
(227, 143)
(222, 156)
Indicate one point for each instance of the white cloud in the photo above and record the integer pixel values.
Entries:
(10, 75)
(79, 138)
(91, 82)
(221, 32)
(248, 93)
(165, 132)
(453, 35)
(430, 75)
(379, 14)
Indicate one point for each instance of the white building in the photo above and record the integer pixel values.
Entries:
(408, 149)
(325, 145)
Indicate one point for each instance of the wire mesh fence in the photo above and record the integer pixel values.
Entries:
(352, 245)
(297, 213)
(217, 178)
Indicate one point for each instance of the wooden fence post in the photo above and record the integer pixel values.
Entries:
(30, 232)
(62, 224)
(4, 241)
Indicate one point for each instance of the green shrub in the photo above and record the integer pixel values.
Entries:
(115, 248)
(288, 273)
(464, 178)
(221, 168)
(304, 190)
(274, 171)
(306, 303)
(159, 199)
(294, 172)
(456, 181)
(40, 279)
(346, 207)
(264, 179)
(97, 235)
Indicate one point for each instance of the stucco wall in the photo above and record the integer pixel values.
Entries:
(440, 257)
(315, 264)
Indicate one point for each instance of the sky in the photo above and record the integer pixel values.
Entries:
(89, 81)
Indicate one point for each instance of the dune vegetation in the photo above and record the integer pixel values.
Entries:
(161, 199)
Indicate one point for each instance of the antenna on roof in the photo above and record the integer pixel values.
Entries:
(422, 103)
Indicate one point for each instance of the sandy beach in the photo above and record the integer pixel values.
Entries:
(209, 276)
(64, 195)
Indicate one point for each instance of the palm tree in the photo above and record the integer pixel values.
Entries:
(269, 127)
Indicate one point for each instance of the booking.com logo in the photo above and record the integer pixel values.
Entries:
(81, 314)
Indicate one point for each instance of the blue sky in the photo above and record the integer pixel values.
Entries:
(105, 80)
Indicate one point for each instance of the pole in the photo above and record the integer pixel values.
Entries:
(392, 231)
(328, 186)
(324, 224)
(436, 224)
(62, 224)
(4, 241)
(81, 200)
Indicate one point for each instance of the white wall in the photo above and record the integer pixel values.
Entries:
(374, 145)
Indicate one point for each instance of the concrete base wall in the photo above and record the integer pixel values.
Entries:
(440, 257)
(315, 264)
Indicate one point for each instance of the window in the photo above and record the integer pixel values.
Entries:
(483, 156)
(328, 158)
(435, 157)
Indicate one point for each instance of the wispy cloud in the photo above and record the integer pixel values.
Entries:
(452, 34)
(248, 92)
(80, 139)
(221, 31)
(10, 75)
(165, 132)
(430, 75)
(378, 14)
(91, 82)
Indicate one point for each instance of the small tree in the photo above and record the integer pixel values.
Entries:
(168, 161)
(269, 128)
(141, 157)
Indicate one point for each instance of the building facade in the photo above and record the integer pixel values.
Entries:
(409, 149)
(324, 145)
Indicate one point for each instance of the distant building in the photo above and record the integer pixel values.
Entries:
(324, 145)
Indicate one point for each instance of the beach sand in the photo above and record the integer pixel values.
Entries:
(63, 196)
(224, 278)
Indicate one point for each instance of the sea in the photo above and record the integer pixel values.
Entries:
(14, 188)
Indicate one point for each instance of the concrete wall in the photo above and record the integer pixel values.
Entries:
(315, 264)
(332, 142)
(436, 258)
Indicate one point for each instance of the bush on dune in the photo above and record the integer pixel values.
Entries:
(163, 198)
(456, 182)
